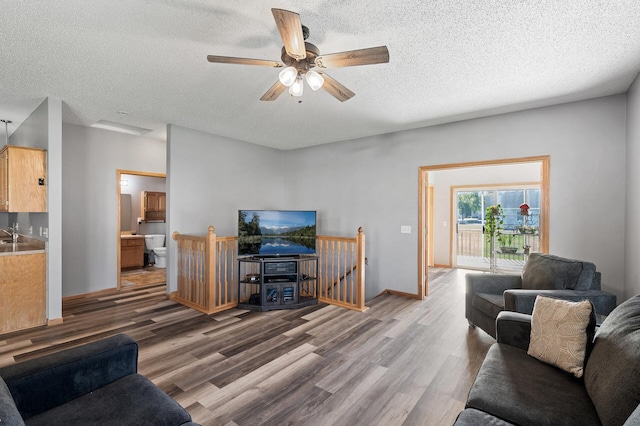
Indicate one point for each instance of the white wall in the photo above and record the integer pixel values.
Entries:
(209, 178)
(444, 180)
(632, 218)
(372, 182)
(90, 158)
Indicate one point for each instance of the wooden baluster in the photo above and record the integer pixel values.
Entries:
(360, 270)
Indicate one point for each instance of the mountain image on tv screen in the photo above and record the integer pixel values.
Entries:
(276, 232)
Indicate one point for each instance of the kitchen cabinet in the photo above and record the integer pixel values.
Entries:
(154, 205)
(22, 291)
(132, 252)
(23, 172)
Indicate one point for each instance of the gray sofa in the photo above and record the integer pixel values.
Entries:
(514, 388)
(93, 384)
(489, 294)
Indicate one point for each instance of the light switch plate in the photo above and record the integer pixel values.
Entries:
(404, 229)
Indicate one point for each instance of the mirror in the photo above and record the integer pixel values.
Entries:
(125, 212)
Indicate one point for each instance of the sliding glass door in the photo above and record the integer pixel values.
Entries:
(471, 249)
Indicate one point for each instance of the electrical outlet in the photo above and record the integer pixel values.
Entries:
(30, 230)
(45, 232)
(405, 229)
(444, 223)
(41, 231)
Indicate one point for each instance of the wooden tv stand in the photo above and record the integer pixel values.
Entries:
(271, 283)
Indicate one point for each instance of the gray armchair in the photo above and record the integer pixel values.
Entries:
(489, 294)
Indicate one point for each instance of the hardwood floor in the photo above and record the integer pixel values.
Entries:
(143, 277)
(402, 362)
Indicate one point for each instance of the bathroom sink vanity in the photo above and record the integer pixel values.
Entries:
(22, 284)
(131, 251)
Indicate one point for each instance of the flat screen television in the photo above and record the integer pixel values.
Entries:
(276, 233)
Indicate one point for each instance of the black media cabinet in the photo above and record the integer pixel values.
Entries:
(272, 283)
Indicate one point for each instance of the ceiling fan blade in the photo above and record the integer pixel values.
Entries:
(276, 90)
(243, 61)
(372, 55)
(336, 89)
(290, 29)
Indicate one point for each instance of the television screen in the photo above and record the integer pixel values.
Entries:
(276, 232)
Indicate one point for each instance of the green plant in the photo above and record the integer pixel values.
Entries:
(493, 222)
(506, 240)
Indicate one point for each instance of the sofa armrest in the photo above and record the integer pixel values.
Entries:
(487, 283)
(39, 384)
(513, 329)
(523, 300)
(491, 283)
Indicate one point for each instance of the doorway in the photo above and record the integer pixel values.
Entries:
(136, 265)
(430, 213)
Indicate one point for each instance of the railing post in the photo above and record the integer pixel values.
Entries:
(175, 236)
(360, 269)
(210, 258)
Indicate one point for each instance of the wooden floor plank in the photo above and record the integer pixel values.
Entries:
(402, 362)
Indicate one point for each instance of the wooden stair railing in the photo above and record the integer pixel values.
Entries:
(341, 272)
(206, 272)
(207, 275)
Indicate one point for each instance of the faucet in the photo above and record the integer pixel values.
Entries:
(13, 233)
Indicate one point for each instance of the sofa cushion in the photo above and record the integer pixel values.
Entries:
(473, 417)
(548, 272)
(490, 304)
(559, 332)
(132, 400)
(612, 373)
(9, 414)
(520, 389)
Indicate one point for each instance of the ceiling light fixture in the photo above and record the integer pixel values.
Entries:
(297, 87)
(288, 76)
(291, 77)
(314, 80)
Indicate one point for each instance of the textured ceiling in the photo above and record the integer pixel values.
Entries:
(449, 60)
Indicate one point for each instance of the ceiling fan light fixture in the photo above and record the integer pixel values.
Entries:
(314, 80)
(288, 76)
(297, 87)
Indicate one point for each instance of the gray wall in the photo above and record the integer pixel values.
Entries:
(209, 178)
(632, 219)
(90, 160)
(372, 183)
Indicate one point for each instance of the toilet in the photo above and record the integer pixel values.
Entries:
(160, 254)
(155, 244)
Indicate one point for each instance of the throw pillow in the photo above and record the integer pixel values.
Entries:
(559, 332)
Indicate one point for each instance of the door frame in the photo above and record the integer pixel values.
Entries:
(119, 173)
(424, 202)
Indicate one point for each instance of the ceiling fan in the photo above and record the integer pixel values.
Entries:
(301, 57)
